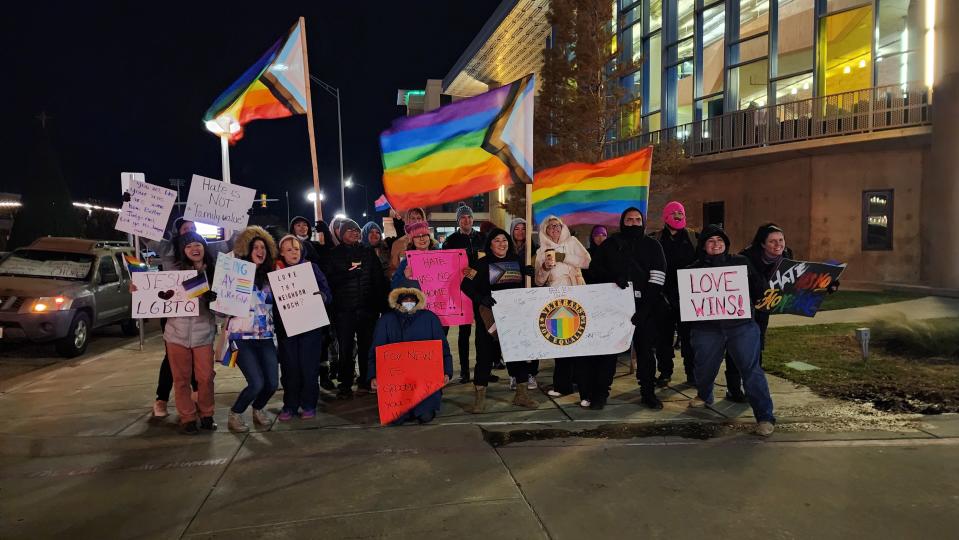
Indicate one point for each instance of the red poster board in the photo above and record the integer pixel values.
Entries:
(406, 374)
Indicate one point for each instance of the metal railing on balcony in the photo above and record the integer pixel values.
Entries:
(860, 111)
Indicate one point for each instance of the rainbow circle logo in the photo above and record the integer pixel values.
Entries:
(562, 322)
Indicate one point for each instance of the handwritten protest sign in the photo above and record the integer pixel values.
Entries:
(233, 285)
(714, 294)
(161, 294)
(440, 273)
(147, 211)
(294, 291)
(218, 203)
(799, 287)
(560, 322)
(406, 374)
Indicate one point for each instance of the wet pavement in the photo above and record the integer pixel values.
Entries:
(82, 457)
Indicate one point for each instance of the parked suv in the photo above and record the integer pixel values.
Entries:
(59, 289)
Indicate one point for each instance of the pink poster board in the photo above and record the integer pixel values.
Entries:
(440, 273)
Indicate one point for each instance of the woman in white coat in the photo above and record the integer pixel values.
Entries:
(560, 261)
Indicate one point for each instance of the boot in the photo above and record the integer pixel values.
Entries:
(236, 423)
(522, 398)
(479, 403)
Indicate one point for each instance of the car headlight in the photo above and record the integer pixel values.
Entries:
(45, 304)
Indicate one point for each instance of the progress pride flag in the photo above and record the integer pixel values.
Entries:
(714, 294)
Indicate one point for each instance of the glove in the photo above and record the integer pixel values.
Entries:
(833, 287)
(126, 196)
(209, 296)
(528, 270)
(622, 282)
(635, 319)
(560, 257)
(488, 301)
(641, 315)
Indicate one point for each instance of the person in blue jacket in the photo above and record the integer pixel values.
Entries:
(408, 320)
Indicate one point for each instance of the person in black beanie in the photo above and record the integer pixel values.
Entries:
(630, 256)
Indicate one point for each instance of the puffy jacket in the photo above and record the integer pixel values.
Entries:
(356, 289)
(191, 332)
(703, 260)
(398, 326)
(569, 271)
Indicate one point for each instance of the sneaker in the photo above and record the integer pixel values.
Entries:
(493, 378)
(697, 403)
(207, 423)
(554, 393)
(465, 378)
(531, 383)
(159, 409)
(662, 381)
(189, 428)
(327, 385)
(651, 401)
(584, 404)
(426, 418)
(512, 383)
(345, 393)
(236, 423)
(285, 415)
(597, 405)
(260, 418)
(765, 429)
(308, 414)
(737, 397)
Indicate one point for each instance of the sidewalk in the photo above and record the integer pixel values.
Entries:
(929, 307)
(82, 458)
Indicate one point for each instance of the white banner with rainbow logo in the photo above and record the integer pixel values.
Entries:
(560, 322)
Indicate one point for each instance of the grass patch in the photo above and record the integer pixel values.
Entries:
(897, 377)
(850, 299)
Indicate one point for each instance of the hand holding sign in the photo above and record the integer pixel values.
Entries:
(233, 285)
(799, 287)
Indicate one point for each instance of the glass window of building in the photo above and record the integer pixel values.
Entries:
(655, 15)
(710, 108)
(751, 49)
(631, 15)
(899, 43)
(685, 19)
(683, 76)
(750, 82)
(653, 122)
(796, 20)
(846, 46)
(835, 5)
(632, 46)
(655, 67)
(753, 17)
(794, 88)
(877, 220)
(714, 50)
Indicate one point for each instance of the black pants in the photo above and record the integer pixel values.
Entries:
(349, 325)
(734, 379)
(487, 353)
(463, 346)
(644, 341)
(563, 375)
(668, 324)
(594, 375)
(519, 370)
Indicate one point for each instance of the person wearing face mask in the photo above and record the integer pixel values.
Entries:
(299, 361)
(739, 337)
(467, 239)
(251, 335)
(413, 215)
(630, 256)
(189, 342)
(359, 296)
(559, 262)
(301, 228)
(499, 270)
(371, 236)
(409, 320)
(679, 247)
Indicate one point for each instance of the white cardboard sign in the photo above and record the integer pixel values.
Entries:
(161, 294)
(293, 292)
(714, 294)
(128, 178)
(233, 285)
(147, 211)
(559, 322)
(218, 203)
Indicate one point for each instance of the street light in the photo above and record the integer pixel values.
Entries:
(335, 92)
(311, 196)
(223, 127)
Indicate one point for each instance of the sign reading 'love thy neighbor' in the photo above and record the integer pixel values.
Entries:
(161, 294)
(218, 203)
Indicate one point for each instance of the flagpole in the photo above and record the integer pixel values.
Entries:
(529, 230)
(317, 207)
(140, 322)
(225, 156)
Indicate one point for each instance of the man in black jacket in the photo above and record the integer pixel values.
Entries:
(471, 241)
(359, 296)
(679, 247)
(631, 256)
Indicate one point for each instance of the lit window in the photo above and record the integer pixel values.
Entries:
(877, 220)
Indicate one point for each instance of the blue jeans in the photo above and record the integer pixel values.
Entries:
(256, 358)
(742, 341)
(300, 370)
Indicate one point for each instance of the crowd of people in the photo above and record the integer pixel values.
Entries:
(373, 299)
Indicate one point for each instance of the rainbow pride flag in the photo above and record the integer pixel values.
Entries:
(274, 87)
(469, 147)
(134, 264)
(593, 193)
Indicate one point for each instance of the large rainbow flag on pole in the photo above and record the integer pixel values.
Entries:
(468, 147)
(275, 87)
(593, 193)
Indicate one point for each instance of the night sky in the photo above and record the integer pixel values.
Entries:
(126, 87)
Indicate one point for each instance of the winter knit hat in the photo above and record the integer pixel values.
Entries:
(599, 229)
(345, 225)
(417, 229)
(463, 210)
(367, 229)
(669, 220)
(514, 223)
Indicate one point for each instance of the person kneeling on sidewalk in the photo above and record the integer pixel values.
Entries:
(410, 321)
(738, 336)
